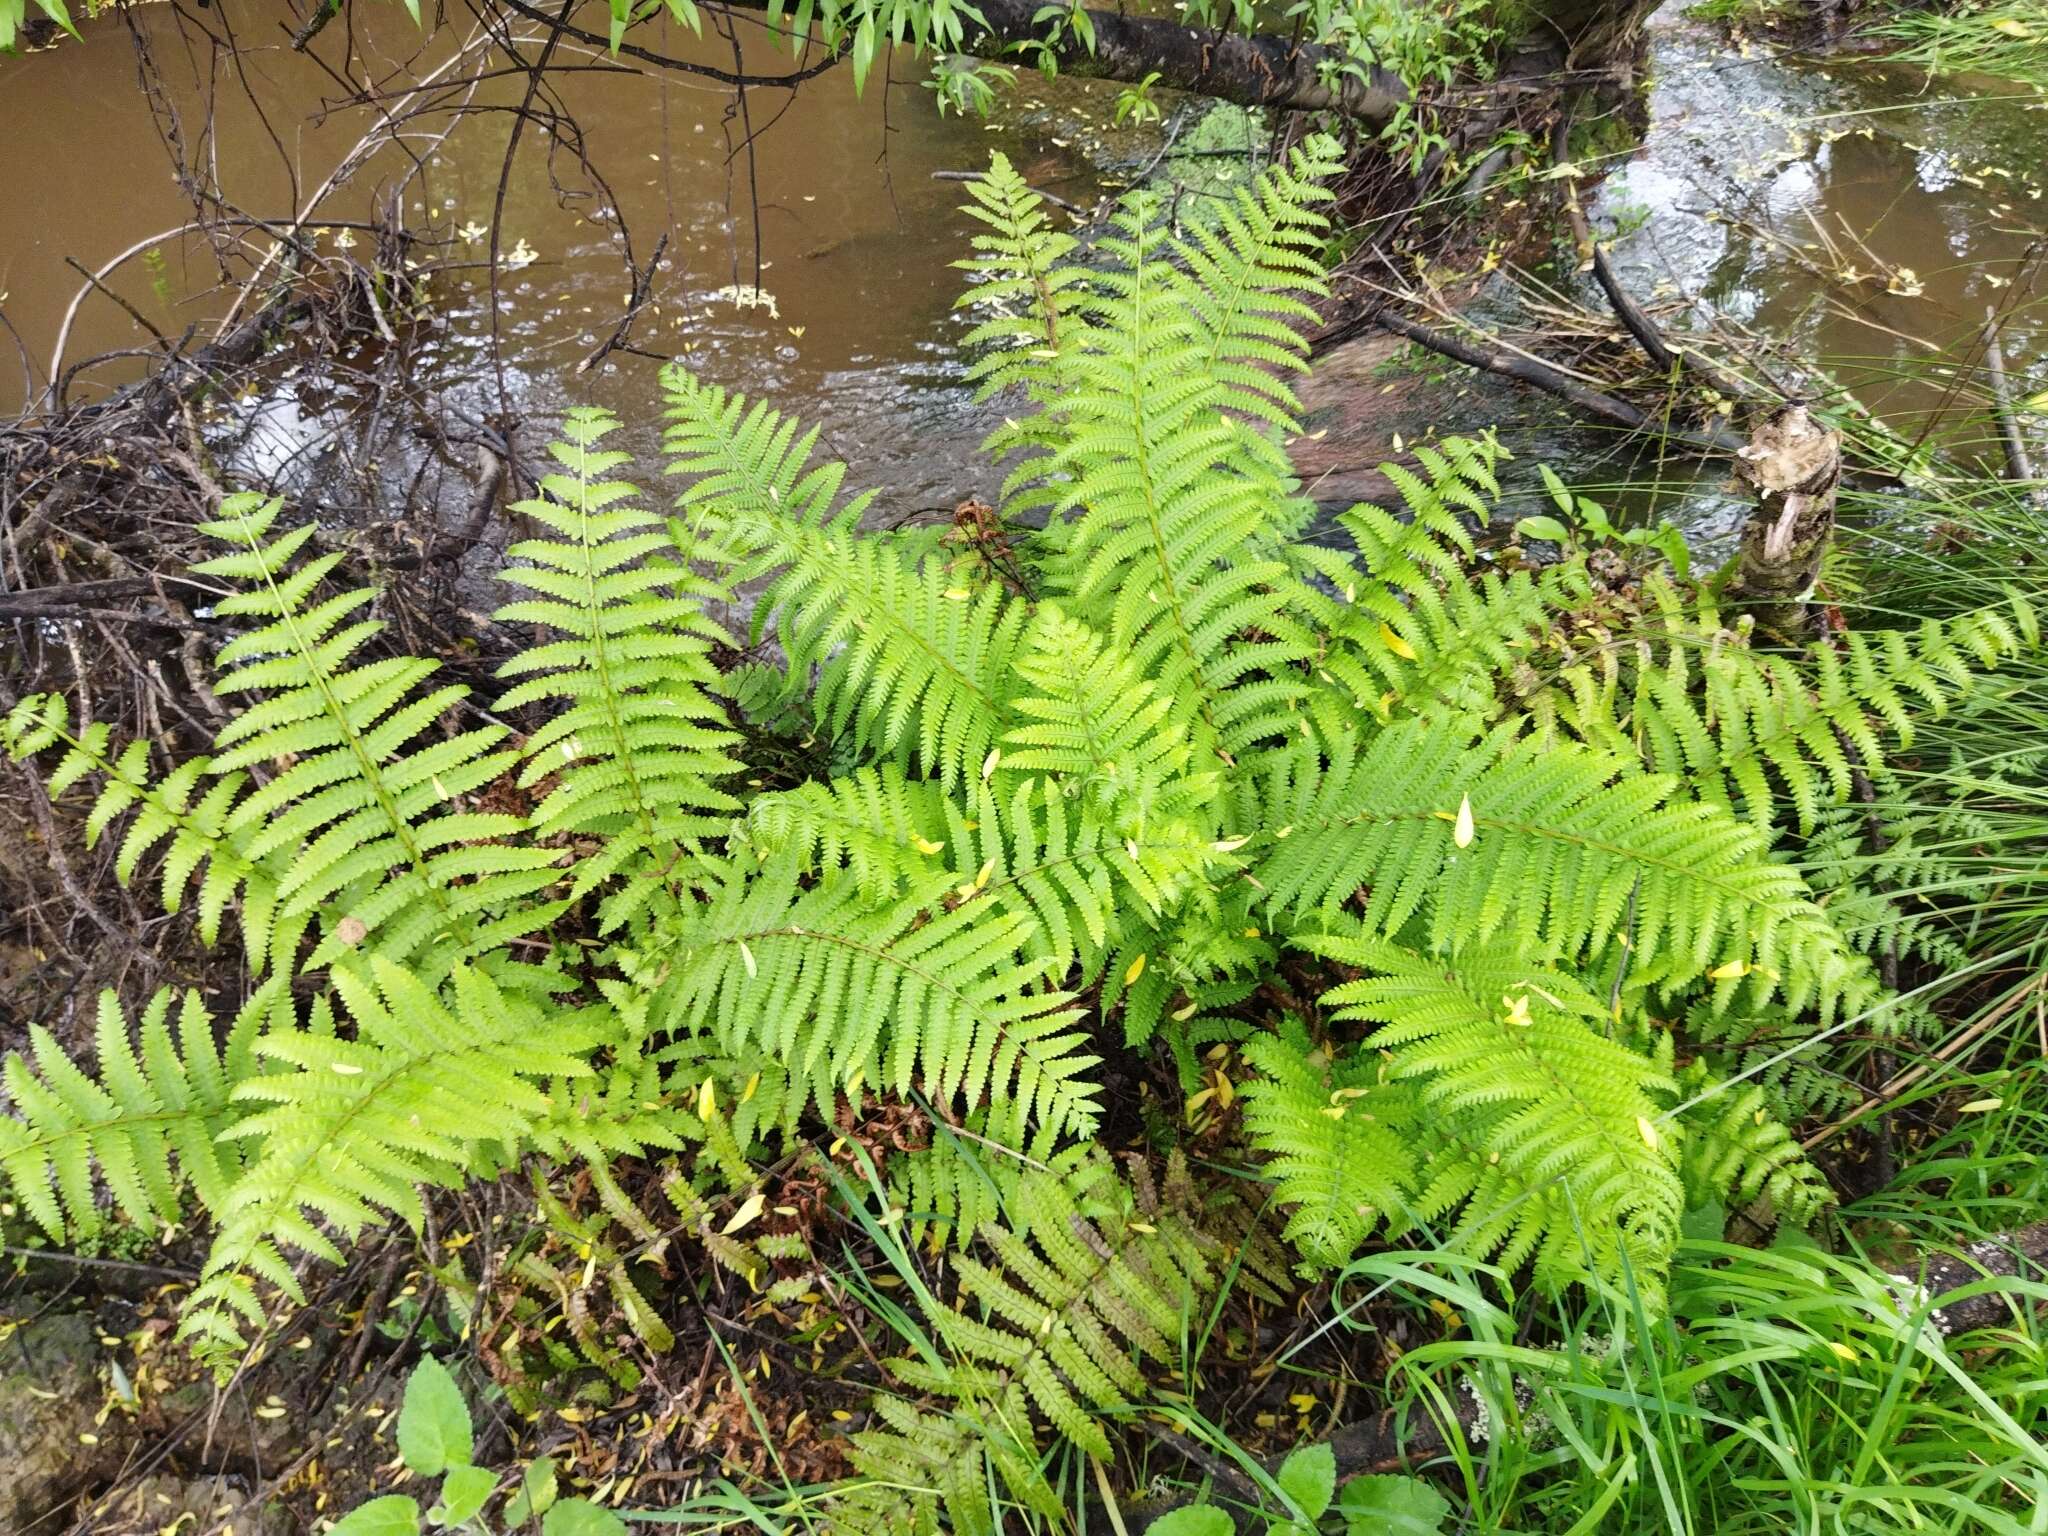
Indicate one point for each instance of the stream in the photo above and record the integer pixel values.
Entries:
(1853, 214)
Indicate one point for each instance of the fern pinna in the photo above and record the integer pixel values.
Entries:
(1449, 908)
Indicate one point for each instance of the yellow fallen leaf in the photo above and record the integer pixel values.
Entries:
(1137, 969)
(1461, 834)
(751, 1207)
(1647, 1131)
(1732, 970)
(1393, 642)
(1982, 1106)
(2012, 28)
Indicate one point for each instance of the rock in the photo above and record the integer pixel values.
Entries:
(50, 1394)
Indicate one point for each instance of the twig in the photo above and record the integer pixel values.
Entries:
(643, 285)
(2018, 466)
(1529, 370)
(1057, 201)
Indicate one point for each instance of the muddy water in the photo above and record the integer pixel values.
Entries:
(855, 235)
(1847, 214)
(1857, 215)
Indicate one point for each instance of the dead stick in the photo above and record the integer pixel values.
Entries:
(2018, 466)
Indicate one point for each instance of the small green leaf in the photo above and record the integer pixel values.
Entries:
(1392, 1506)
(1541, 527)
(463, 1493)
(1202, 1521)
(535, 1493)
(1309, 1478)
(392, 1515)
(580, 1517)
(433, 1425)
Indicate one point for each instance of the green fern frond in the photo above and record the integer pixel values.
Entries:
(149, 1122)
(1766, 733)
(171, 814)
(1737, 1149)
(1252, 262)
(886, 829)
(1510, 1056)
(1335, 1138)
(1080, 882)
(907, 658)
(1093, 719)
(1066, 1304)
(1019, 279)
(358, 815)
(351, 1129)
(1565, 853)
(905, 995)
(639, 747)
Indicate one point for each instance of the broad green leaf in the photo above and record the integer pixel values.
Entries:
(580, 1517)
(463, 1493)
(433, 1425)
(1203, 1521)
(1309, 1478)
(1384, 1505)
(392, 1515)
(535, 1493)
(1542, 527)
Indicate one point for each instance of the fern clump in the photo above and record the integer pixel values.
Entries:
(1447, 905)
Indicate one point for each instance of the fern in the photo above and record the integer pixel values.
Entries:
(1447, 868)
(1057, 1318)
(359, 817)
(1760, 733)
(639, 748)
(352, 1128)
(173, 816)
(152, 1120)
(1507, 1055)
(1336, 1140)
(1564, 852)
(845, 993)
(907, 659)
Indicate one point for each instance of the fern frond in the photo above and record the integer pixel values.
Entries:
(149, 1122)
(1508, 1055)
(639, 746)
(1252, 262)
(905, 995)
(1080, 882)
(1092, 718)
(1567, 853)
(352, 1128)
(1768, 734)
(1020, 281)
(171, 814)
(358, 815)
(909, 660)
(1063, 1302)
(1334, 1136)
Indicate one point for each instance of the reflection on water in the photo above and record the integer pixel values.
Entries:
(1858, 213)
(856, 239)
(1846, 210)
